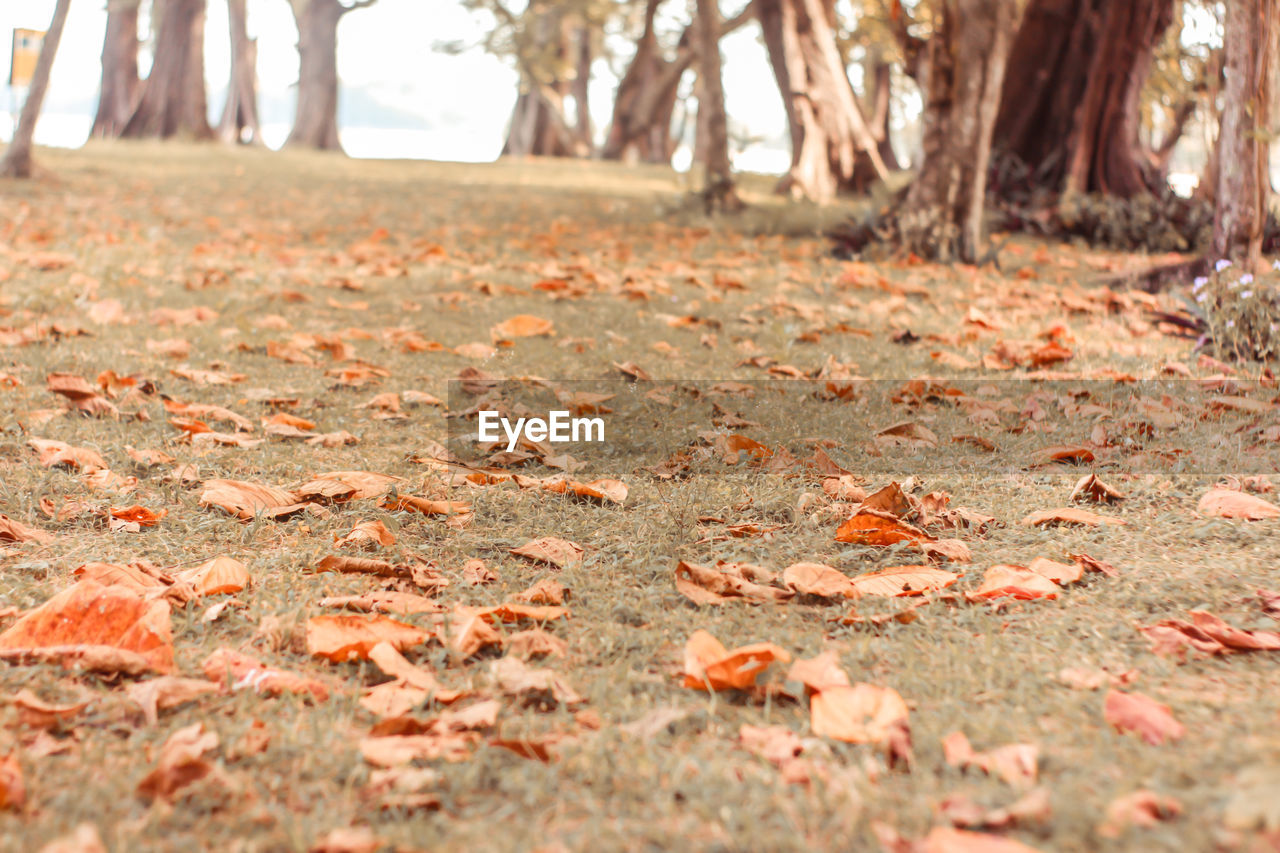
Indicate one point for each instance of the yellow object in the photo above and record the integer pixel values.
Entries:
(26, 51)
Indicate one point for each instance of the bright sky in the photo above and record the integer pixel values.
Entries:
(388, 47)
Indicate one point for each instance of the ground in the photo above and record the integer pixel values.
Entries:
(314, 268)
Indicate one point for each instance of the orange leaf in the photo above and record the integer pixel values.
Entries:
(16, 531)
(869, 527)
(521, 326)
(247, 672)
(549, 549)
(1228, 503)
(138, 515)
(1067, 515)
(90, 614)
(709, 666)
(1134, 712)
(368, 533)
(904, 580)
(820, 580)
(245, 500)
(221, 575)
(345, 637)
(1014, 581)
(863, 713)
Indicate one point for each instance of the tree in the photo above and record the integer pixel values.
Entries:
(543, 51)
(827, 127)
(315, 123)
(647, 94)
(173, 100)
(1070, 105)
(1251, 53)
(17, 158)
(240, 112)
(119, 88)
(963, 69)
(719, 192)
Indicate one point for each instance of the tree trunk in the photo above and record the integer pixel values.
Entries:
(1070, 105)
(719, 191)
(538, 125)
(941, 216)
(1252, 29)
(877, 73)
(650, 88)
(173, 98)
(240, 113)
(119, 89)
(581, 90)
(826, 123)
(17, 158)
(315, 122)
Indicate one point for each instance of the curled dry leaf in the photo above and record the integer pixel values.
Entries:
(245, 672)
(167, 691)
(346, 637)
(705, 585)
(13, 788)
(819, 673)
(219, 576)
(1142, 809)
(139, 515)
(1072, 453)
(870, 527)
(470, 630)
(1015, 582)
(385, 601)
(521, 326)
(1017, 763)
(357, 565)
(181, 762)
(342, 486)
(862, 713)
(37, 713)
(1060, 573)
(1067, 515)
(427, 506)
(820, 580)
(709, 666)
(1228, 503)
(545, 591)
(551, 550)
(1208, 635)
(52, 454)
(613, 491)
(245, 500)
(541, 687)
(1091, 488)
(1142, 715)
(88, 615)
(536, 643)
(904, 581)
(16, 531)
(367, 533)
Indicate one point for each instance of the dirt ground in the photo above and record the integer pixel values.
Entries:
(354, 295)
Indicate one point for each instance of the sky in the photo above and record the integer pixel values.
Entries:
(464, 100)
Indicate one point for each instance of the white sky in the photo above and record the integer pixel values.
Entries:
(388, 46)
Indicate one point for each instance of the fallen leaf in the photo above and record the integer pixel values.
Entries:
(167, 691)
(870, 527)
(556, 552)
(219, 576)
(245, 672)
(1142, 809)
(705, 585)
(1091, 488)
(820, 580)
(246, 500)
(16, 531)
(945, 839)
(709, 666)
(181, 762)
(904, 581)
(1228, 503)
(13, 788)
(89, 614)
(367, 533)
(1142, 715)
(862, 713)
(521, 326)
(1017, 764)
(1015, 582)
(345, 637)
(1067, 515)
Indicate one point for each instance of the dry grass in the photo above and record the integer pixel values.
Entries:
(242, 232)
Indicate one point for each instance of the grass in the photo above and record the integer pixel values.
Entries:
(291, 244)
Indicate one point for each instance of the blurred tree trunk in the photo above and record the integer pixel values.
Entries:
(173, 101)
(1070, 105)
(119, 88)
(581, 89)
(941, 216)
(827, 126)
(1251, 48)
(646, 98)
(17, 157)
(538, 125)
(877, 72)
(719, 191)
(240, 113)
(315, 122)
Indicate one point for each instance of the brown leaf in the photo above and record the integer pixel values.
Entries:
(904, 580)
(138, 515)
(945, 839)
(13, 789)
(90, 614)
(1134, 712)
(245, 672)
(1015, 582)
(167, 691)
(385, 601)
(549, 549)
(181, 762)
(1209, 635)
(52, 454)
(356, 565)
(219, 576)
(37, 713)
(1067, 453)
(459, 509)
(16, 531)
(819, 673)
(709, 666)
(541, 687)
(1059, 573)
(521, 326)
(1141, 808)
(1067, 515)
(245, 500)
(368, 533)
(346, 637)
(820, 580)
(1091, 488)
(1228, 503)
(342, 486)
(1017, 764)
(869, 527)
(545, 591)
(705, 585)
(862, 713)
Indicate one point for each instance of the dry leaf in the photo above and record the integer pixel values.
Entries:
(348, 637)
(556, 552)
(1017, 764)
(385, 601)
(1067, 515)
(245, 672)
(246, 500)
(862, 713)
(219, 576)
(820, 580)
(181, 762)
(16, 531)
(904, 581)
(709, 666)
(167, 691)
(521, 326)
(13, 788)
(1134, 712)
(89, 614)
(1091, 488)
(705, 585)
(1141, 808)
(1228, 503)
(869, 527)
(1015, 582)
(368, 533)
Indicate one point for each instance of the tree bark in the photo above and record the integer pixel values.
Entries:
(827, 126)
(941, 215)
(173, 100)
(538, 126)
(119, 89)
(719, 191)
(1070, 105)
(1252, 29)
(17, 157)
(646, 98)
(240, 122)
(315, 121)
(581, 90)
(878, 75)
